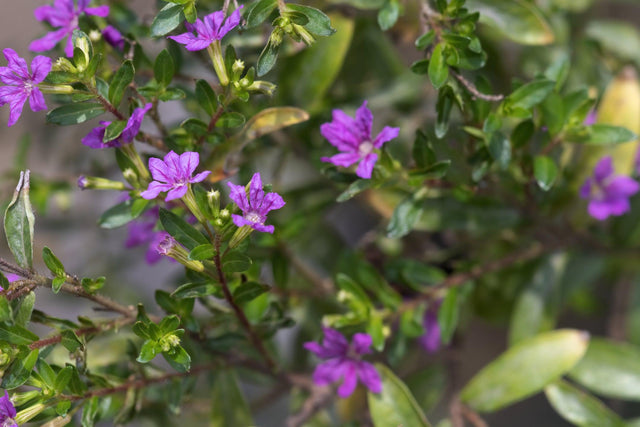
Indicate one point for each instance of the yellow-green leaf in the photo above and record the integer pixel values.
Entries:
(579, 408)
(272, 119)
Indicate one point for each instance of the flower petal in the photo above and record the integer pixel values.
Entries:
(342, 159)
(271, 202)
(15, 109)
(94, 138)
(15, 63)
(603, 169)
(334, 343)
(256, 193)
(172, 162)
(599, 209)
(328, 372)
(160, 171)
(585, 189)
(370, 377)
(364, 119)
(365, 168)
(189, 162)
(200, 177)
(154, 189)
(263, 228)
(238, 195)
(133, 124)
(230, 23)
(176, 192)
(621, 186)
(40, 68)
(339, 136)
(386, 134)
(49, 41)
(350, 380)
(36, 100)
(101, 11)
(362, 343)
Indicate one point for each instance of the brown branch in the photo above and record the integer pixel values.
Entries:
(105, 102)
(212, 124)
(103, 327)
(474, 90)
(473, 417)
(320, 398)
(244, 321)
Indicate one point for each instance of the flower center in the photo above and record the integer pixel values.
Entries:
(365, 148)
(8, 422)
(253, 217)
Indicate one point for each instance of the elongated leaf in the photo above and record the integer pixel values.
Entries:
(248, 291)
(202, 252)
(235, 262)
(319, 23)
(118, 215)
(610, 369)
(182, 231)
(529, 95)
(194, 290)
(206, 97)
(579, 408)
(120, 81)
(395, 405)
(164, 68)
(609, 35)
(73, 114)
(388, 14)
(19, 223)
(167, 20)
(259, 12)
(518, 20)
(438, 69)
(355, 188)
(14, 334)
(228, 405)
(525, 369)
(273, 119)
(545, 171)
(404, 217)
(52, 262)
(599, 134)
(19, 371)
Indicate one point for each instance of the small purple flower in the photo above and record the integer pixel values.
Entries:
(63, 15)
(7, 412)
(95, 138)
(112, 36)
(166, 244)
(353, 138)
(21, 84)
(256, 207)
(208, 30)
(343, 360)
(430, 340)
(591, 118)
(11, 278)
(608, 194)
(173, 174)
(141, 232)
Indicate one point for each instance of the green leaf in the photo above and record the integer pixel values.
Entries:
(120, 81)
(422, 152)
(202, 252)
(394, 405)
(148, 352)
(22, 316)
(90, 412)
(6, 313)
(599, 134)
(388, 15)
(518, 20)
(190, 12)
(529, 95)
(70, 340)
(114, 130)
(355, 188)
(56, 284)
(500, 149)
(249, 291)
(171, 94)
(19, 371)
(63, 378)
(119, 215)
(19, 223)
(267, 58)
(73, 114)
(609, 35)
(235, 262)
(319, 23)
(259, 11)
(230, 120)
(525, 369)
(228, 405)
(404, 217)
(181, 230)
(438, 68)
(545, 171)
(206, 97)
(164, 68)
(53, 263)
(272, 119)
(437, 170)
(611, 369)
(194, 290)
(167, 20)
(579, 408)
(448, 315)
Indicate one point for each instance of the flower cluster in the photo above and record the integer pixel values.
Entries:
(63, 15)
(173, 175)
(343, 360)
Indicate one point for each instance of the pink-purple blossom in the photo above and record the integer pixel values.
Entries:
(608, 194)
(173, 175)
(344, 361)
(112, 36)
(95, 138)
(142, 232)
(10, 278)
(208, 30)
(22, 84)
(63, 16)
(431, 340)
(256, 206)
(353, 138)
(7, 412)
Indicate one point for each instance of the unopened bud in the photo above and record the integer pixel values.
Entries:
(97, 183)
(63, 64)
(225, 214)
(304, 35)
(237, 68)
(169, 247)
(262, 86)
(213, 198)
(28, 413)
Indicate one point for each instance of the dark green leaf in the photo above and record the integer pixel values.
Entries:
(394, 405)
(529, 95)
(19, 223)
(182, 231)
(202, 252)
(6, 313)
(355, 188)
(599, 134)
(114, 130)
(438, 68)
(448, 315)
(53, 263)
(90, 411)
(120, 81)
(167, 20)
(319, 23)
(545, 171)
(19, 371)
(248, 291)
(259, 11)
(171, 94)
(194, 290)
(206, 97)
(500, 149)
(230, 120)
(164, 68)
(118, 215)
(70, 340)
(73, 114)
(425, 40)
(423, 153)
(63, 378)
(437, 170)
(509, 378)
(267, 58)
(404, 217)
(235, 262)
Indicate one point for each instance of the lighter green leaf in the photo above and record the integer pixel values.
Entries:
(579, 408)
(19, 223)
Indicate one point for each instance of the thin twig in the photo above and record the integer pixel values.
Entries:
(474, 90)
(320, 398)
(105, 326)
(473, 417)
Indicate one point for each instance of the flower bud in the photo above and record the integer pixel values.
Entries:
(97, 183)
(169, 247)
(237, 68)
(263, 87)
(28, 413)
(213, 199)
(63, 64)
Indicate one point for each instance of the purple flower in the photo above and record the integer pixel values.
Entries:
(7, 412)
(63, 16)
(95, 138)
(11, 278)
(208, 30)
(256, 207)
(430, 340)
(353, 138)
(112, 36)
(141, 232)
(173, 174)
(342, 360)
(608, 194)
(21, 84)
(591, 118)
